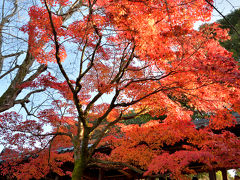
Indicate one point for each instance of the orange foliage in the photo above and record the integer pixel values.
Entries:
(161, 148)
(141, 55)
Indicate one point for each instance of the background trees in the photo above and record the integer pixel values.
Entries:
(16, 63)
(116, 56)
(233, 44)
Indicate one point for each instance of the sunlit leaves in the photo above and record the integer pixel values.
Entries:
(40, 35)
(174, 148)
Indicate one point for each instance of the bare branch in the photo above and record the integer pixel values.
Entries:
(54, 134)
(58, 59)
(57, 46)
(2, 23)
(153, 78)
(7, 100)
(40, 69)
(111, 107)
(123, 66)
(92, 102)
(26, 98)
(78, 85)
(76, 5)
(138, 100)
(92, 60)
(9, 71)
(13, 54)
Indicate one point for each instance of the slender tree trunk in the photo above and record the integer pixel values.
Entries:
(100, 174)
(212, 175)
(224, 174)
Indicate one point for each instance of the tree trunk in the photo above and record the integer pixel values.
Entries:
(81, 155)
(212, 175)
(224, 174)
(78, 171)
(100, 174)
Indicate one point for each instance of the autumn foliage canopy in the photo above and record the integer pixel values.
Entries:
(141, 56)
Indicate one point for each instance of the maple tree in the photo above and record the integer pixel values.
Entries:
(141, 55)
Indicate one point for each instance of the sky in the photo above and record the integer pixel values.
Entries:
(225, 7)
